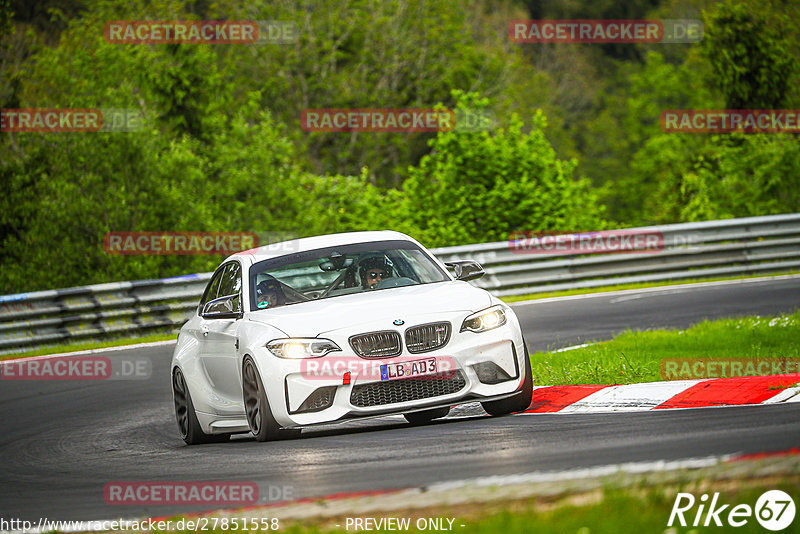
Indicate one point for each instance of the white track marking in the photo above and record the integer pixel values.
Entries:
(630, 397)
(657, 289)
(787, 395)
(626, 298)
(573, 347)
(591, 472)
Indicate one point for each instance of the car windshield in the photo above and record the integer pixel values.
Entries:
(343, 270)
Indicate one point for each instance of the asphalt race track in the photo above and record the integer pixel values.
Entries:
(61, 442)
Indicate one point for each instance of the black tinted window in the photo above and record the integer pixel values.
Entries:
(343, 270)
(231, 281)
(212, 287)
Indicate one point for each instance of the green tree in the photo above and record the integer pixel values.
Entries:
(69, 190)
(746, 61)
(750, 54)
(482, 186)
(379, 54)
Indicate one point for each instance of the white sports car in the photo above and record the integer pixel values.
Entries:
(331, 328)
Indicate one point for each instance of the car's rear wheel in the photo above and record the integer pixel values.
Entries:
(426, 416)
(188, 425)
(518, 402)
(259, 415)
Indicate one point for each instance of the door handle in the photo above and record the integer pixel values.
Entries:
(204, 330)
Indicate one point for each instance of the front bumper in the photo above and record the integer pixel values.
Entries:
(313, 391)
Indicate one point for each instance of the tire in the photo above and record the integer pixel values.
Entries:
(259, 415)
(421, 418)
(188, 425)
(516, 403)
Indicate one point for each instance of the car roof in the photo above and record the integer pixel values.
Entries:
(274, 250)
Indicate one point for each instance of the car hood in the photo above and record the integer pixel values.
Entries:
(310, 319)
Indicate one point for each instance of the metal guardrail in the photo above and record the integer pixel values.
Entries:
(691, 250)
(31, 320)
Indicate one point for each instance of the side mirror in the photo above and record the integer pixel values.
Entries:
(466, 269)
(223, 308)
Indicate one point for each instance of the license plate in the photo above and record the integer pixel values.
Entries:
(391, 371)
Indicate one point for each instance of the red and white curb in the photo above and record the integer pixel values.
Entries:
(737, 391)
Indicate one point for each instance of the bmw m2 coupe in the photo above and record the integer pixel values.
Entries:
(331, 328)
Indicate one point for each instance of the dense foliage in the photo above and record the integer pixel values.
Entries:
(576, 142)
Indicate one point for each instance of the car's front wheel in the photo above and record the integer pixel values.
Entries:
(188, 425)
(518, 402)
(259, 415)
(426, 416)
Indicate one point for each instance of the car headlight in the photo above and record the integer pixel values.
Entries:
(484, 320)
(301, 347)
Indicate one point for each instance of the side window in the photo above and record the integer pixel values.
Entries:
(211, 289)
(231, 284)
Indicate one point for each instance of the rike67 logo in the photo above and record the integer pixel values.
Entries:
(774, 510)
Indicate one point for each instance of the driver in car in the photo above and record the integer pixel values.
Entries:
(269, 294)
(374, 269)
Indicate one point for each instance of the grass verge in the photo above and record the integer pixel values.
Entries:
(610, 511)
(633, 357)
(613, 511)
(641, 285)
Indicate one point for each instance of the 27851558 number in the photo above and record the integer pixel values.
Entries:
(232, 524)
